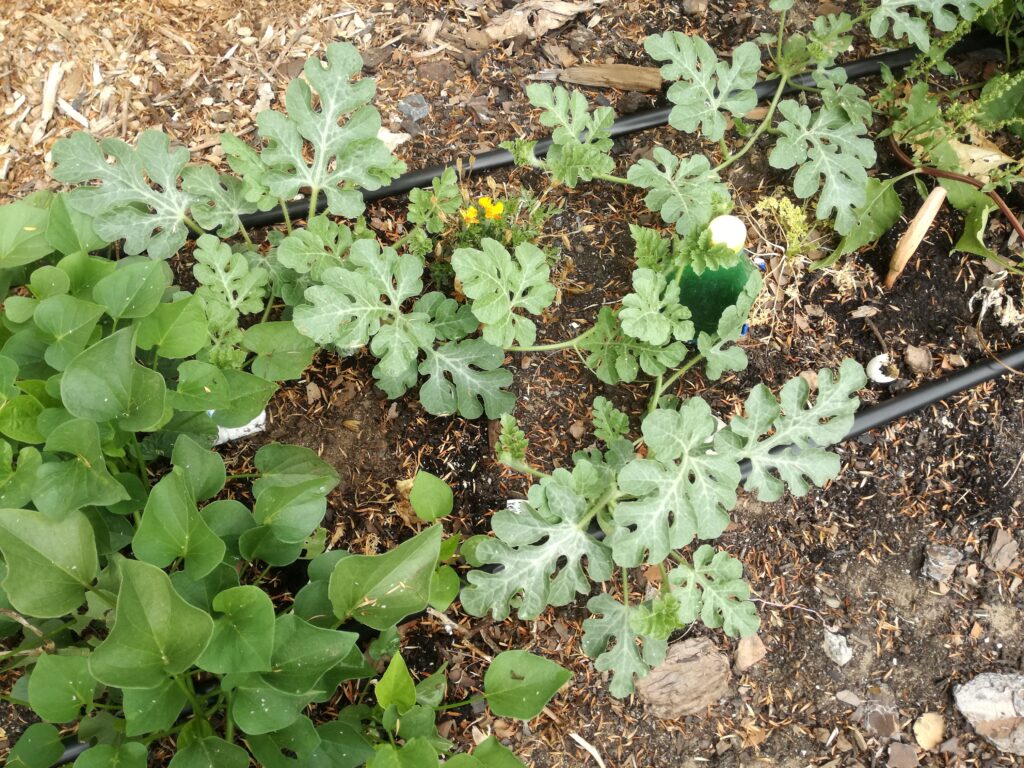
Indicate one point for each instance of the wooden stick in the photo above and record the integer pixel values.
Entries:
(915, 234)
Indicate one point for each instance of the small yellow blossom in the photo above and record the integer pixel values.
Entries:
(470, 215)
(492, 209)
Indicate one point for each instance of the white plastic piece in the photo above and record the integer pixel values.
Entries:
(729, 231)
(226, 435)
(876, 368)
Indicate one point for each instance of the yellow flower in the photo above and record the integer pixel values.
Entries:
(470, 215)
(492, 210)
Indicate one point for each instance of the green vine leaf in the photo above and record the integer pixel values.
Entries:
(652, 313)
(364, 301)
(512, 444)
(156, 634)
(684, 491)
(313, 250)
(687, 192)
(520, 684)
(432, 207)
(541, 547)
(651, 250)
(706, 88)
(229, 287)
(616, 357)
(344, 156)
(833, 154)
(219, 200)
(581, 139)
(879, 213)
(943, 14)
(781, 438)
(452, 321)
(713, 589)
(61, 687)
(609, 639)
(609, 422)
(125, 205)
(499, 283)
(466, 377)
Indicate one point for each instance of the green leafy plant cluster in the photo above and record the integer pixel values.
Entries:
(822, 135)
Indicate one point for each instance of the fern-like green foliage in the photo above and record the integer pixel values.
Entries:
(580, 139)
(706, 89)
(911, 19)
(345, 156)
(653, 507)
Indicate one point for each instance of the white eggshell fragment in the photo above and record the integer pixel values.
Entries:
(876, 369)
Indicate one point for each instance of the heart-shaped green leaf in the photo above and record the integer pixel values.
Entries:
(396, 686)
(211, 752)
(50, 563)
(156, 634)
(60, 687)
(381, 590)
(104, 383)
(243, 632)
(148, 710)
(519, 684)
(133, 290)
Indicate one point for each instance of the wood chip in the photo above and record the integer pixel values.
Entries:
(625, 77)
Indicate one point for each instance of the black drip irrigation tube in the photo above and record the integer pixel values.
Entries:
(871, 418)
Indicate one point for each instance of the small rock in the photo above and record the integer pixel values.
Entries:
(918, 359)
(374, 57)
(951, 747)
(577, 429)
(929, 730)
(902, 756)
(836, 648)
(694, 675)
(994, 706)
(695, 7)
(879, 713)
(849, 697)
(749, 651)
(414, 107)
(1002, 551)
(940, 562)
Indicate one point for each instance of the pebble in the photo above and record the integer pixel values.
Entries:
(918, 359)
(414, 107)
(929, 729)
(994, 705)
(837, 648)
(902, 756)
(940, 562)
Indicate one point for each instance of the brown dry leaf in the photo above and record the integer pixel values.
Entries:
(530, 19)
(979, 159)
(577, 429)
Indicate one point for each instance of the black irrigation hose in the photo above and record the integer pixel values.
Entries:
(639, 121)
(872, 418)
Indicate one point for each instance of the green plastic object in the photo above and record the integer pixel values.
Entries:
(711, 292)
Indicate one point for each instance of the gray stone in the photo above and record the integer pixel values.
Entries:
(414, 107)
(940, 562)
(994, 706)
(694, 676)
(902, 756)
(836, 648)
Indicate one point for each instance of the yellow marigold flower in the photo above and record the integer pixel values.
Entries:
(470, 215)
(492, 210)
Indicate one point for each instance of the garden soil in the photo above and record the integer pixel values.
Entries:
(845, 559)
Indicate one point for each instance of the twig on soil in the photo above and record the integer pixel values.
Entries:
(590, 749)
(795, 606)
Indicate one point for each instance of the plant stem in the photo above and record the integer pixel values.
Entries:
(140, 463)
(186, 685)
(662, 384)
(244, 476)
(616, 179)
(193, 226)
(625, 587)
(457, 704)
(525, 469)
(764, 126)
(314, 195)
(245, 236)
(270, 303)
(287, 217)
(554, 345)
(229, 722)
